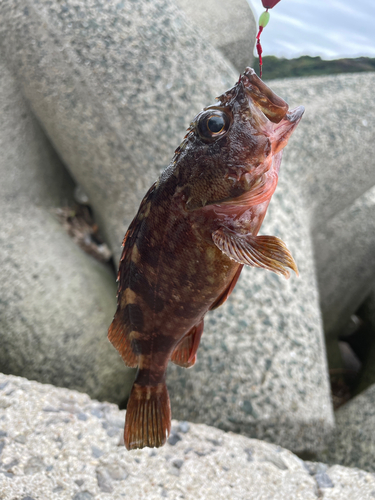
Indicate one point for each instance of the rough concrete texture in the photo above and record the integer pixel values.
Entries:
(115, 85)
(55, 301)
(261, 367)
(231, 28)
(332, 156)
(59, 444)
(332, 160)
(344, 249)
(353, 442)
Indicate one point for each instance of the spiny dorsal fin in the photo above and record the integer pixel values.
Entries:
(123, 325)
(268, 252)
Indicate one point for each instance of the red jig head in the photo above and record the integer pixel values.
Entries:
(263, 21)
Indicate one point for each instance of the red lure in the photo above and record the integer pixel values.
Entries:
(269, 4)
(263, 21)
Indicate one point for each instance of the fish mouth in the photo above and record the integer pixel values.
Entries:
(270, 113)
(294, 116)
(272, 106)
(283, 130)
(289, 122)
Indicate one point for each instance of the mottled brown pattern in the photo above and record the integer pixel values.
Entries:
(173, 268)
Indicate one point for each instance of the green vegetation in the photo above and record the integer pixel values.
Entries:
(274, 67)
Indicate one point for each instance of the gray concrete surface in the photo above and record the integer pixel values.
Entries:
(231, 28)
(59, 444)
(344, 251)
(115, 86)
(332, 158)
(55, 301)
(332, 163)
(353, 442)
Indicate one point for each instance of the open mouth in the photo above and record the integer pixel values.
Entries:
(295, 115)
(289, 122)
(273, 106)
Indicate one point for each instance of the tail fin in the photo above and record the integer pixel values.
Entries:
(148, 417)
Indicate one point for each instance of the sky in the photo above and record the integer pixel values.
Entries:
(328, 28)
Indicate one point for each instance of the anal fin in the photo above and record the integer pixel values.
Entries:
(268, 252)
(118, 335)
(185, 353)
(223, 297)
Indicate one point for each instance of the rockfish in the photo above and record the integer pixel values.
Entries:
(195, 229)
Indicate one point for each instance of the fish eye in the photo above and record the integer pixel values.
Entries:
(213, 124)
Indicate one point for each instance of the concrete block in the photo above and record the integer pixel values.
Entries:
(332, 156)
(353, 442)
(331, 160)
(231, 30)
(81, 457)
(115, 85)
(55, 301)
(344, 249)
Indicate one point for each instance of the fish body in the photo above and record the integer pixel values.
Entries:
(195, 229)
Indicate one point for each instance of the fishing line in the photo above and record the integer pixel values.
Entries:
(263, 21)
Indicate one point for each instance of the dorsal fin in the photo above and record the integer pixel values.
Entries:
(123, 322)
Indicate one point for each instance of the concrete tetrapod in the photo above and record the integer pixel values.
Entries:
(231, 30)
(55, 301)
(114, 85)
(345, 260)
(353, 441)
(331, 160)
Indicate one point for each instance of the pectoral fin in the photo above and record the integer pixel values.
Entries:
(268, 252)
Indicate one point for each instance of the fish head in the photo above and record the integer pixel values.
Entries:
(232, 152)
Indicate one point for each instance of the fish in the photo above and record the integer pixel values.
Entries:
(195, 229)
